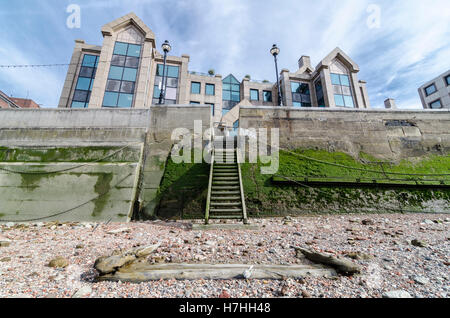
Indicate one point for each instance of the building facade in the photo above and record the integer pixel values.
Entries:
(127, 71)
(15, 102)
(435, 94)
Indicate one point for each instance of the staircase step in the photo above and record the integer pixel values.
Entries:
(226, 188)
(225, 204)
(225, 210)
(219, 178)
(231, 217)
(225, 174)
(214, 198)
(225, 192)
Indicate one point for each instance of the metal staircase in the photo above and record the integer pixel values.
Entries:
(225, 191)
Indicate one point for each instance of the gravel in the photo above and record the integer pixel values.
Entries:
(395, 266)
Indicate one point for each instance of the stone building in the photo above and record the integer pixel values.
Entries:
(126, 72)
(15, 102)
(435, 94)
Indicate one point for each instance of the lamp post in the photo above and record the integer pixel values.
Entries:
(162, 95)
(275, 51)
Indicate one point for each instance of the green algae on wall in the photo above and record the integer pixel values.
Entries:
(102, 188)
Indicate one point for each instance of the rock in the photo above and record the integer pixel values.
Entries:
(248, 273)
(144, 251)
(58, 262)
(224, 294)
(428, 222)
(5, 259)
(421, 280)
(105, 265)
(341, 265)
(4, 243)
(120, 230)
(79, 246)
(359, 256)
(418, 243)
(83, 292)
(305, 294)
(367, 222)
(397, 294)
(10, 224)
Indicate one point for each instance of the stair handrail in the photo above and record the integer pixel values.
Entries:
(211, 170)
(241, 186)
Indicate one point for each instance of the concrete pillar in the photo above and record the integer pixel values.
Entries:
(390, 103)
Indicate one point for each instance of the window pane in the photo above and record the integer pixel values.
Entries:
(304, 89)
(226, 95)
(346, 90)
(125, 100)
(344, 80)
(110, 99)
(127, 87)
(132, 62)
(83, 83)
(306, 99)
(430, 89)
(212, 108)
(134, 50)
(156, 92)
(171, 93)
(296, 97)
(120, 48)
(129, 74)
(113, 85)
(210, 89)
(447, 79)
(339, 100)
(349, 101)
(297, 104)
(86, 71)
(224, 112)
(335, 79)
(89, 60)
(194, 103)
(235, 87)
(235, 96)
(236, 124)
(172, 71)
(267, 96)
(78, 105)
(80, 96)
(195, 88)
(295, 87)
(172, 82)
(337, 89)
(318, 86)
(115, 72)
(118, 60)
(436, 105)
(254, 94)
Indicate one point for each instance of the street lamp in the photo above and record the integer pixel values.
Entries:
(162, 95)
(275, 51)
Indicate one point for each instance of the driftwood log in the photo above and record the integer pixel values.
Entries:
(343, 266)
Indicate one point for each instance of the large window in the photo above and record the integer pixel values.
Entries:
(301, 96)
(254, 94)
(231, 93)
(430, 89)
(85, 81)
(172, 73)
(210, 89)
(436, 104)
(342, 91)
(447, 80)
(122, 75)
(195, 88)
(319, 93)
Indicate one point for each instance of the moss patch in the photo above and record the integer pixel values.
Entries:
(102, 188)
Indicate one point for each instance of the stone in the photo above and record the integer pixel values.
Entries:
(105, 265)
(428, 222)
(396, 294)
(421, 280)
(83, 292)
(306, 294)
(143, 251)
(359, 256)
(79, 246)
(120, 230)
(5, 259)
(4, 243)
(418, 243)
(367, 222)
(224, 294)
(59, 262)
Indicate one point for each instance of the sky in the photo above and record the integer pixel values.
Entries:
(399, 45)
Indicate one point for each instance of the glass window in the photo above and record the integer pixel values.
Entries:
(195, 88)
(430, 89)
(339, 100)
(212, 108)
(235, 96)
(132, 62)
(134, 50)
(267, 96)
(319, 93)
(78, 105)
(83, 83)
(80, 96)
(115, 72)
(335, 79)
(90, 60)
(113, 85)
(226, 95)
(300, 94)
(194, 103)
(172, 71)
(156, 91)
(110, 99)
(171, 93)
(125, 100)
(129, 74)
(254, 94)
(231, 92)
(348, 100)
(210, 89)
(127, 87)
(344, 80)
(224, 112)
(436, 104)
(236, 124)
(447, 79)
(121, 48)
(86, 71)
(118, 60)
(297, 104)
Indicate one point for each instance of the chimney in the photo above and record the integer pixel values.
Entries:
(390, 103)
(304, 61)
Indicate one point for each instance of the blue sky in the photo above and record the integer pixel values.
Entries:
(410, 47)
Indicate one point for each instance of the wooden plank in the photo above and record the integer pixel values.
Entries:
(143, 272)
